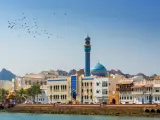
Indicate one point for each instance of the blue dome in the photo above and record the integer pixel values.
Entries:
(99, 70)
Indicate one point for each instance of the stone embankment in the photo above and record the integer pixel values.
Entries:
(116, 110)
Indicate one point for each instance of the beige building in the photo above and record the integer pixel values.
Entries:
(113, 80)
(41, 79)
(6, 84)
(87, 91)
(58, 90)
(113, 93)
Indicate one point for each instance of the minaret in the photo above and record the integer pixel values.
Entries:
(87, 49)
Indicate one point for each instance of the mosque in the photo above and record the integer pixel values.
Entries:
(92, 86)
(87, 86)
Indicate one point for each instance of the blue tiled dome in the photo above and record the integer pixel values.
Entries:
(99, 70)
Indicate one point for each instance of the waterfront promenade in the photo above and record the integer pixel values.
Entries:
(90, 109)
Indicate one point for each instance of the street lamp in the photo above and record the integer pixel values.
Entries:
(143, 98)
(150, 96)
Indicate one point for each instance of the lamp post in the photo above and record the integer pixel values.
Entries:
(143, 98)
(150, 97)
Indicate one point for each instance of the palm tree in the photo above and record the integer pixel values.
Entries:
(21, 94)
(3, 95)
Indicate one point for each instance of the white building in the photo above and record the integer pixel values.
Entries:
(141, 89)
(101, 90)
(155, 91)
(146, 91)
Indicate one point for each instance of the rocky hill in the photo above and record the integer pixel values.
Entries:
(6, 75)
(112, 71)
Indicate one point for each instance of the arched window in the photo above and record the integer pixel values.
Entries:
(50, 88)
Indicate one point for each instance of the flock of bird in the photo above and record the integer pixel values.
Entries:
(33, 29)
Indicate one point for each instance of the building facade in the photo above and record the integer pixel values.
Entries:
(142, 90)
(113, 94)
(101, 89)
(124, 87)
(6, 84)
(57, 90)
(87, 90)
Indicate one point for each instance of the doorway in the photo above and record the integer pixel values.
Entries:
(113, 101)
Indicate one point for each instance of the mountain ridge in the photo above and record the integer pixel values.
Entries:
(6, 75)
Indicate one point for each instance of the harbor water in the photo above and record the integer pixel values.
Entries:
(20, 116)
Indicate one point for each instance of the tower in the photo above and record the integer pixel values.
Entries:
(87, 49)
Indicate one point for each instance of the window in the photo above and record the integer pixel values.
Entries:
(104, 91)
(155, 98)
(127, 97)
(50, 88)
(82, 90)
(157, 90)
(82, 97)
(87, 84)
(91, 97)
(147, 98)
(87, 97)
(91, 90)
(91, 83)
(97, 84)
(97, 91)
(82, 84)
(104, 84)
(87, 90)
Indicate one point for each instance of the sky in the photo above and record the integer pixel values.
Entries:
(125, 35)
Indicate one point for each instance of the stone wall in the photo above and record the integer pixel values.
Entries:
(116, 110)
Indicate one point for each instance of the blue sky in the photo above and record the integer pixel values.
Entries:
(124, 35)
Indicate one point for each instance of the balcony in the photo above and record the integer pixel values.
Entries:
(43, 87)
(124, 89)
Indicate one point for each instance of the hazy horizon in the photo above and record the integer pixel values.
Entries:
(124, 35)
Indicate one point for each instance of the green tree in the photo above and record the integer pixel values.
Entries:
(3, 95)
(35, 91)
(21, 95)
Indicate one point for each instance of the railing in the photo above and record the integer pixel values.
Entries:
(124, 89)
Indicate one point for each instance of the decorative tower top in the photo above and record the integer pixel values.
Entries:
(87, 49)
(87, 40)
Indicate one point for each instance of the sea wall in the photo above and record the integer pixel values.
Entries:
(116, 110)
